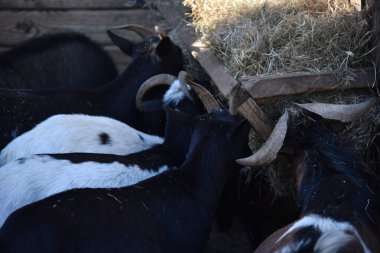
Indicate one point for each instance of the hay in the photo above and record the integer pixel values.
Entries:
(263, 37)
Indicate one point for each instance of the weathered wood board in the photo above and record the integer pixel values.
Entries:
(71, 4)
(19, 26)
(294, 84)
(21, 20)
(243, 92)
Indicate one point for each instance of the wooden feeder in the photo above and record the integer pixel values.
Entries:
(244, 92)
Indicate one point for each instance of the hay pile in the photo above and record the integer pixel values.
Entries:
(263, 37)
(266, 37)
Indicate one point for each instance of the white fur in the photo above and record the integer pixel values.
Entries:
(174, 94)
(78, 133)
(293, 247)
(327, 226)
(40, 176)
(332, 242)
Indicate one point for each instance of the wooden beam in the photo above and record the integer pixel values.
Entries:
(225, 82)
(293, 84)
(71, 4)
(221, 77)
(19, 26)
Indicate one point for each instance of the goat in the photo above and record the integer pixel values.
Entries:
(339, 207)
(56, 60)
(78, 133)
(40, 176)
(171, 212)
(21, 110)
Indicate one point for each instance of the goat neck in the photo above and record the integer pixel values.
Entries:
(210, 161)
(333, 181)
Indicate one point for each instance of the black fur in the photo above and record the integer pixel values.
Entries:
(141, 138)
(334, 183)
(169, 213)
(20, 110)
(56, 60)
(171, 153)
(104, 139)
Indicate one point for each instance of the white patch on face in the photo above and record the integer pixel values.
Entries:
(327, 226)
(332, 242)
(293, 247)
(174, 94)
(31, 179)
(78, 133)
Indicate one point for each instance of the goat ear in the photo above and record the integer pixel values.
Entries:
(164, 47)
(125, 45)
(180, 118)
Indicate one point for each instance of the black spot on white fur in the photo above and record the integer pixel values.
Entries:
(141, 138)
(104, 139)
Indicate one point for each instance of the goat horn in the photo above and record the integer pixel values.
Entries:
(156, 80)
(142, 31)
(343, 113)
(269, 150)
(205, 96)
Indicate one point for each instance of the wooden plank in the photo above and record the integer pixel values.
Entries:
(225, 82)
(71, 4)
(293, 84)
(221, 77)
(19, 26)
(256, 117)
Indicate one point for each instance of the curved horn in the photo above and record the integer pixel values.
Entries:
(156, 80)
(343, 113)
(204, 95)
(142, 31)
(269, 150)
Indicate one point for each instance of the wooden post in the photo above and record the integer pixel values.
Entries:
(225, 82)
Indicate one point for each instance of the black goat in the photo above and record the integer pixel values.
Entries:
(33, 178)
(56, 60)
(169, 213)
(21, 110)
(339, 205)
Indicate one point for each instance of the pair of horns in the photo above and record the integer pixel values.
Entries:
(142, 31)
(269, 150)
(204, 95)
